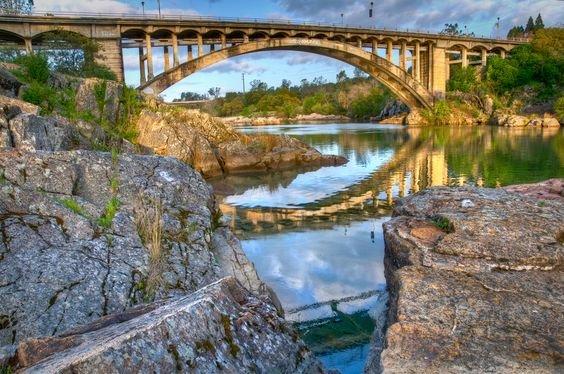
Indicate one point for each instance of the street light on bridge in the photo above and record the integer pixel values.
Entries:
(371, 10)
(143, 7)
(159, 5)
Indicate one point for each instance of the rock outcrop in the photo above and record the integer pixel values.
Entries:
(475, 281)
(88, 238)
(73, 247)
(220, 328)
(214, 148)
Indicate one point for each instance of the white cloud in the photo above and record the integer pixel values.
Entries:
(235, 66)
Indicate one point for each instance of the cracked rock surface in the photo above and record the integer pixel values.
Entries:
(220, 328)
(61, 267)
(475, 280)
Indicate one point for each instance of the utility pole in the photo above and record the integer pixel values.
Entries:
(243, 75)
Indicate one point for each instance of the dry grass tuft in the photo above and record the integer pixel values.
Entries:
(148, 212)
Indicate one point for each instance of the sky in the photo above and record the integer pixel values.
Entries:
(479, 16)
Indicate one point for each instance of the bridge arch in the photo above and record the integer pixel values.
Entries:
(408, 90)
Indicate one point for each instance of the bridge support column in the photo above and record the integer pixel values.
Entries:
(464, 56)
(389, 50)
(111, 56)
(417, 62)
(190, 54)
(439, 73)
(175, 57)
(148, 42)
(142, 65)
(223, 41)
(502, 53)
(28, 46)
(403, 61)
(484, 56)
(200, 46)
(374, 47)
(166, 58)
(245, 38)
(359, 43)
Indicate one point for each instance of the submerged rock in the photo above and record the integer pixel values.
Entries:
(474, 287)
(220, 328)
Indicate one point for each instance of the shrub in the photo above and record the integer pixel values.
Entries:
(462, 79)
(35, 68)
(41, 95)
(439, 114)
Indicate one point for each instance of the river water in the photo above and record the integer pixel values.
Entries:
(315, 235)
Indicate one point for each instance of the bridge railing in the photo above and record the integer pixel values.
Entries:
(279, 21)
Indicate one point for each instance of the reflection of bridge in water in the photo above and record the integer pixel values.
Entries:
(416, 164)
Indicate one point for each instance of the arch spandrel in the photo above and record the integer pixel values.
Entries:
(397, 80)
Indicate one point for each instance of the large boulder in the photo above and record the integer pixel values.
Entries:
(99, 97)
(220, 328)
(475, 282)
(9, 84)
(414, 118)
(213, 147)
(87, 234)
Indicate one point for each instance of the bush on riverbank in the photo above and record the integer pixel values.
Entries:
(359, 98)
(530, 78)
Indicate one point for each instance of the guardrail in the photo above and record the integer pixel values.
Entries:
(278, 21)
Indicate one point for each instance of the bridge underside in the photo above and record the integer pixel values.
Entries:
(401, 83)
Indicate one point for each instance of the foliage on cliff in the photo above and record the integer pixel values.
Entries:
(530, 79)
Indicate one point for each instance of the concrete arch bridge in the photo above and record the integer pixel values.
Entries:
(413, 65)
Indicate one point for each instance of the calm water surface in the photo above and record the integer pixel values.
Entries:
(315, 235)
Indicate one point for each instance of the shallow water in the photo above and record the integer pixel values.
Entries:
(315, 235)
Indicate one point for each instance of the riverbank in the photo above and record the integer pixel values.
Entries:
(470, 289)
(273, 120)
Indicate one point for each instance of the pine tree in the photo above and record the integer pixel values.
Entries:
(530, 25)
(539, 24)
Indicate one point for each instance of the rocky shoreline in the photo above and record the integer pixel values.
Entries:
(108, 258)
(475, 281)
(273, 120)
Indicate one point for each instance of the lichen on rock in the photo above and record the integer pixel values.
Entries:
(484, 296)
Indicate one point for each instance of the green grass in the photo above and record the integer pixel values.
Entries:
(73, 206)
(110, 211)
(443, 223)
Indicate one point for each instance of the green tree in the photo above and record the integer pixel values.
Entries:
(462, 79)
(516, 32)
(10, 7)
(258, 85)
(530, 25)
(342, 76)
(214, 92)
(539, 24)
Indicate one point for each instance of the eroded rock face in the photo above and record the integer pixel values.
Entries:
(475, 281)
(220, 328)
(63, 262)
(214, 148)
